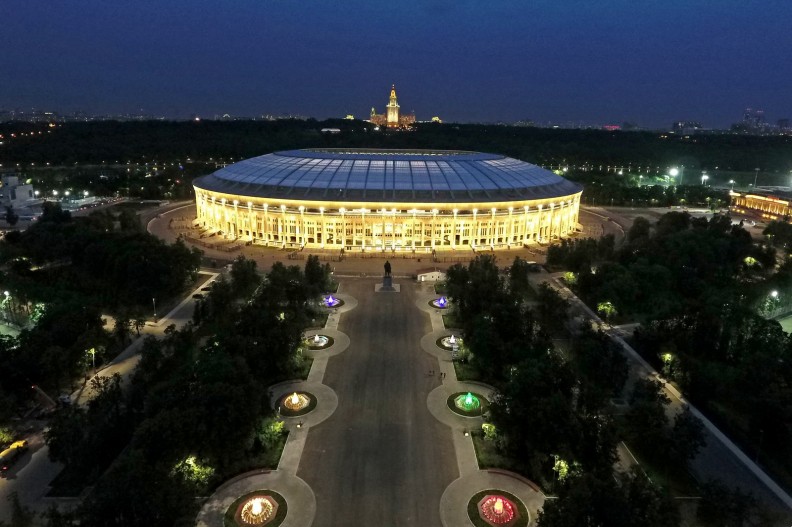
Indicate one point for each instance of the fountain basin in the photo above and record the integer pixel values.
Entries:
(440, 303)
(467, 404)
(318, 342)
(256, 509)
(497, 508)
(450, 342)
(296, 404)
(332, 301)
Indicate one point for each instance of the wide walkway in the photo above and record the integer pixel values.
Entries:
(382, 458)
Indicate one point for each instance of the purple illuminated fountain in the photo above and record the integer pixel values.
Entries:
(331, 301)
(440, 303)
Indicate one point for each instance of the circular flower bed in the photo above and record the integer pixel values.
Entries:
(260, 507)
(304, 404)
(520, 517)
(467, 404)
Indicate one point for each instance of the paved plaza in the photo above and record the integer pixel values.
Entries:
(381, 447)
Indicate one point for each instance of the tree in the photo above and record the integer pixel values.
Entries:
(626, 501)
(730, 507)
(21, 516)
(687, 436)
(317, 276)
(139, 321)
(135, 493)
(639, 230)
(244, 278)
(11, 217)
(121, 328)
(518, 278)
(553, 310)
(128, 220)
(646, 418)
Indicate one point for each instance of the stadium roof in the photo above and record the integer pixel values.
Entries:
(387, 175)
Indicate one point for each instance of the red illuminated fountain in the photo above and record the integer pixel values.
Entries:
(498, 510)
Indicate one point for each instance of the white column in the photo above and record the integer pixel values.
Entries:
(324, 229)
(454, 230)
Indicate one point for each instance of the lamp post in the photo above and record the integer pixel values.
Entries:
(7, 303)
(154, 303)
(732, 184)
(704, 179)
(756, 176)
(92, 353)
(674, 172)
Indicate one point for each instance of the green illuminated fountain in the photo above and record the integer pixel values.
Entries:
(467, 402)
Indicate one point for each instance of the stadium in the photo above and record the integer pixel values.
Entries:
(394, 200)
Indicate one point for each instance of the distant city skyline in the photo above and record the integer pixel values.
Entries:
(563, 61)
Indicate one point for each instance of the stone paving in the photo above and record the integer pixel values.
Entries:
(299, 495)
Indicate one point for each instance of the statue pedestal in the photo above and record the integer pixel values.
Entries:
(387, 286)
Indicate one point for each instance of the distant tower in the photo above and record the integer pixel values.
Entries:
(393, 109)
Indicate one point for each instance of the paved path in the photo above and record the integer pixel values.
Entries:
(382, 459)
(454, 502)
(720, 458)
(31, 476)
(381, 448)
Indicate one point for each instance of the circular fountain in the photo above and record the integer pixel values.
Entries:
(497, 510)
(440, 303)
(450, 342)
(332, 301)
(318, 342)
(256, 509)
(296, 402)
(468, 403)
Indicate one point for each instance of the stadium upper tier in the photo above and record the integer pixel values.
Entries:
(387, 176)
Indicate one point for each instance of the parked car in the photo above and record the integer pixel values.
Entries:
(10, 455)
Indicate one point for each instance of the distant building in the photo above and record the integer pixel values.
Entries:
(686, 127)
(392, 117)
(14, 194)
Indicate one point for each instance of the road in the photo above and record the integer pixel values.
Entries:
(31, 475)
(381, 459)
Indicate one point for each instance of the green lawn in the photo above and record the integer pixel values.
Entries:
(465, 372)
(450, 321)
(487, 453)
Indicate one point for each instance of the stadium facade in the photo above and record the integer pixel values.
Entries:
(398, 200)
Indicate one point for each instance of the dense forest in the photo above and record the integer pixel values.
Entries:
(122, 142)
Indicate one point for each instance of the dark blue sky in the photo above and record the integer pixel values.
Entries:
(595, 61)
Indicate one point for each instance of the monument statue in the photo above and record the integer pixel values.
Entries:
(387, 268)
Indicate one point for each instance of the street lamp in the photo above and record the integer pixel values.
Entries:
(674, 172)
(154, 303)
(92, 353)
(704, 179)
(756, 176)
(732, 184)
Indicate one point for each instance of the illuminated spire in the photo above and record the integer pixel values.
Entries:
(392, 110)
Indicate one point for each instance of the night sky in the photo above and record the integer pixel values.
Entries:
(595, 61)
